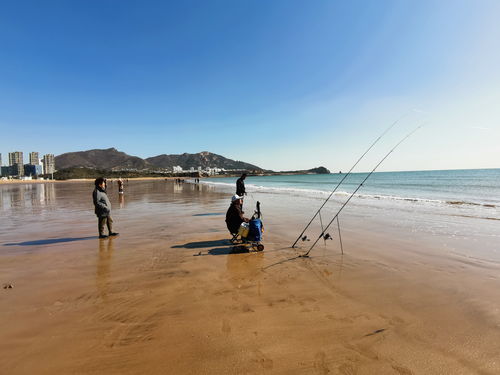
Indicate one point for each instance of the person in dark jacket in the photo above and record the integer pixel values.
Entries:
(240, 185)
(234, 215)
(102, 208)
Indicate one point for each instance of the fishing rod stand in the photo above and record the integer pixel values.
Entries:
(325, 236)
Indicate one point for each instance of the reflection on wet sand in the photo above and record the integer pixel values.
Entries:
(17, 196)
(104, 260)
(31, 195)
(49, 193)
(178, 188)
(121, 200)
(244, 266)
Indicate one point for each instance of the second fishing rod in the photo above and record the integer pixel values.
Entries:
(355, 191)
(345, 176)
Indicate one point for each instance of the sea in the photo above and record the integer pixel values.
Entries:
(467, 192)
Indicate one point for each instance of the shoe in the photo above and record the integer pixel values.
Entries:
(113, 234)
(103, 236)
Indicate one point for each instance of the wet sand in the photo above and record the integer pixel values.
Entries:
(80, 180)
(168, 296)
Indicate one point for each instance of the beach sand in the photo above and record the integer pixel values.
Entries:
(167, 296)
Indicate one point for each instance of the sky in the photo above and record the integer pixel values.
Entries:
(282, 84)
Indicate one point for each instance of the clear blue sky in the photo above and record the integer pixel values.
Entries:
(281, 84)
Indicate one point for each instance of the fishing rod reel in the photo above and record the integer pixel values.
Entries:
(325, 236)
(257, 213)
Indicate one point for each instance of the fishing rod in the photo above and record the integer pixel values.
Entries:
(345, 176)
(354, 192)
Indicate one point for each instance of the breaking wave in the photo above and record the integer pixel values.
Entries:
(323, 194)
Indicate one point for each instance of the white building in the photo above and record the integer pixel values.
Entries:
(40, 162)
(177, 169)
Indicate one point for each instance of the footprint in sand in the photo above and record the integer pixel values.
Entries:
(402, 370)
(226, 328)
(348, 369)
(320, 363)
(263, 360)
(246, 308)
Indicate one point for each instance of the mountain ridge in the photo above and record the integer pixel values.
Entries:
(112, 159)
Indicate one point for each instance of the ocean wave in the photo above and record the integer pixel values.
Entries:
(465, 203)
(323, 194)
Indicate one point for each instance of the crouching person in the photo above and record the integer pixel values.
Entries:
(234, 216)
(102, 208)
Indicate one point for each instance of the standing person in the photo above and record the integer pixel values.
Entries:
(102, 208)
(120, 186)
(240, 185)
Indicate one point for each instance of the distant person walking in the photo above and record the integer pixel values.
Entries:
(240, 185)
(120, 186)
(102, 208)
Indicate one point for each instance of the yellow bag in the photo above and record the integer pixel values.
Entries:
(243, 231)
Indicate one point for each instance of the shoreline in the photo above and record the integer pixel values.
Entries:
(6, 182)
(167, 291)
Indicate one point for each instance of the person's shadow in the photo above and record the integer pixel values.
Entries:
(218, 247)
(50, 241)
(202, 244)
(236, 249)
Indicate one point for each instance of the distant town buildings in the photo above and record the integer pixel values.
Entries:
(49, 165)
(16, 163)
(35, 168)
(206, 171)
(34, 158)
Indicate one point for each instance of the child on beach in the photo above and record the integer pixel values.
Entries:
(102, 208)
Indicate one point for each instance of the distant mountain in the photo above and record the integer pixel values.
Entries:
(111, 158)
(202, 159)
(319, 170)
(108, 159)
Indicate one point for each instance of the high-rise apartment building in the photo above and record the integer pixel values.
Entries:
(49, 165)
(15, 157)
(34, 158)
(16, 163)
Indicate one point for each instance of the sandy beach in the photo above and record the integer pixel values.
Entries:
(168, 296)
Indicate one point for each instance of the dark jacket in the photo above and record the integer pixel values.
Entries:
(240, 187)
(234, 218)
(101, 202)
